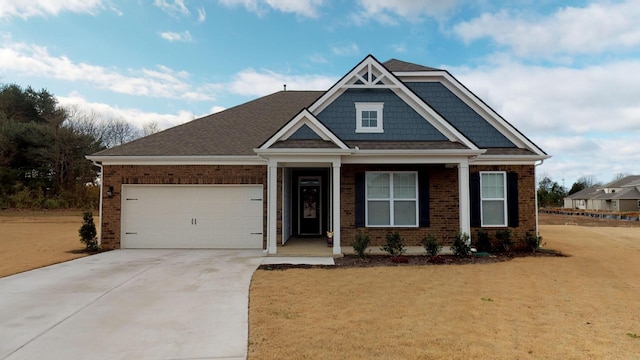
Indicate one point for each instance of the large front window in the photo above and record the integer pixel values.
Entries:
(392, 199)
(493, 198)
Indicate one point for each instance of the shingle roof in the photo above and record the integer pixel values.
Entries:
(625, 181)
(395, 65)
(585, 193)
(235, 131)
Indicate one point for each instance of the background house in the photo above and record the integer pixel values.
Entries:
(618, 195)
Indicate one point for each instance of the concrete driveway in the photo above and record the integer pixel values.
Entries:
(130, 304)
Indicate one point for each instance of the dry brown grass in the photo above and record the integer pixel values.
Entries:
(29, 240)
(577, 307)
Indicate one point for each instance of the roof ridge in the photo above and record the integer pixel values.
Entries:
(395, 65)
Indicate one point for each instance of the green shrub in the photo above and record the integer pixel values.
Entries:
(394, 245)
(484, 243)
(88, 232)
(431, 245)
(532, 242)
(504, 238)
(360, 244)
(461, 245)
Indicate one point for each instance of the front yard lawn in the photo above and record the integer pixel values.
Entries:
(576, 307)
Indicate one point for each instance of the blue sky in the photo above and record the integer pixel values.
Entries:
(565, 73)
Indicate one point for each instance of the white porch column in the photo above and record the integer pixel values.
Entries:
(272, 207)
(463, 191)
(335, 189)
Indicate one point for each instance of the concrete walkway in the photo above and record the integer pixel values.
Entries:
(130, 304)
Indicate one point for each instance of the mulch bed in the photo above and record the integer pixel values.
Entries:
(353, 261)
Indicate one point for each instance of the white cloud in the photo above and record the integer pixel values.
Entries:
(135, 117)
(598, 99)
(347, 50)
(596, 28)
(184, 36)
(388, 11)
(217, 109)
(172, 7)
(161, 82)
(29, 8)
(307, 8)
(202, 14)
(253, 83)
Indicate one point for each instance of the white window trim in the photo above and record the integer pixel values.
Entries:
(504, 199)
(369, 106)
(391, 200)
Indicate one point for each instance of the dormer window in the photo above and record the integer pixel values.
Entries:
(369, 117)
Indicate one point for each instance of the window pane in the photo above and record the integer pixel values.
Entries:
(493, 212)
(378, 213)
(404, 213)
(493, 185)
(378, 186)
(404, 186)
(369, 118)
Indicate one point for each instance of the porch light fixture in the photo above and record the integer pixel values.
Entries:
(110, 192)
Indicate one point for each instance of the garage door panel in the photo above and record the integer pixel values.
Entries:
(225, 217)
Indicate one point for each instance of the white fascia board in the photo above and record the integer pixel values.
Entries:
(306, 160)
(507, 159)
(178, 160)
(305, 117)
(418, 152)
(405, 159)
(307, 152)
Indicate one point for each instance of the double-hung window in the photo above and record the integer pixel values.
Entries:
(369, 117)
(391, 199)
(493, 198)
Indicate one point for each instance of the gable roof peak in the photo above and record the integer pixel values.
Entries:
(395, 65)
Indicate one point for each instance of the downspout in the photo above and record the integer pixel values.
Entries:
(536, 197)
(100, 202)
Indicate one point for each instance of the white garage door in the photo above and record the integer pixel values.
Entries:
(192, 217)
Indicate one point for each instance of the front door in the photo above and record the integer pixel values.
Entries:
(309, 200)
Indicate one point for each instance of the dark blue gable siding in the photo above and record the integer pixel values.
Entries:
(304, 133)
(400, 121)
(461, 116)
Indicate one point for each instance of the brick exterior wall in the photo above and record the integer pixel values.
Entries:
(443, 196)
(527, 201)
(117, 175)
(443, 192)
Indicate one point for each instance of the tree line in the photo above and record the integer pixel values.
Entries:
(43, 147)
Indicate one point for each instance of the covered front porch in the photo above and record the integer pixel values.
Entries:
(309, 196)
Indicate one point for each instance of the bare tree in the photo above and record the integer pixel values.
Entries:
(620, 176)
(150, 128)
(109, 132)
(118, 131)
